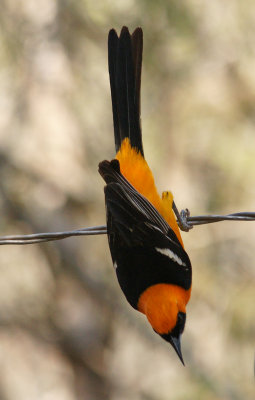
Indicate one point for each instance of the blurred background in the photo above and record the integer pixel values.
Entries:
(66, 331)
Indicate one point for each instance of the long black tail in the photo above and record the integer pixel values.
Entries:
(125, 65)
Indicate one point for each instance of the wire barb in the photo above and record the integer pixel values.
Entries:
(182, 218)
(185, 222)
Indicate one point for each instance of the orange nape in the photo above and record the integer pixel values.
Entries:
(136, 170)
(161, 304)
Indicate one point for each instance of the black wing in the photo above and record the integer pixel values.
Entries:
(110, 171)
(144, 249)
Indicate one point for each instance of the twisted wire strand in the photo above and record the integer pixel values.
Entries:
(185, 222)
(50, 236)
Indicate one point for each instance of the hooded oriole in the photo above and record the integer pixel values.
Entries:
(152, 267)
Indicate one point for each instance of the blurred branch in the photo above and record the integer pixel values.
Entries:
(185, 222)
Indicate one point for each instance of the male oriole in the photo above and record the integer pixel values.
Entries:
(152, 267)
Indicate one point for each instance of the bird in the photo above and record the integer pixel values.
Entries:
(152, 267)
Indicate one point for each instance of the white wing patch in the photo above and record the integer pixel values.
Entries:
(115, 265)
(169, 253)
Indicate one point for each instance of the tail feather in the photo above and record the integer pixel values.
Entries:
(125, 63)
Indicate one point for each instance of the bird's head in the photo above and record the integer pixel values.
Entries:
(165, 308)
(174, 336)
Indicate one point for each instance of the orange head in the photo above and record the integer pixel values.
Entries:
(165, 308)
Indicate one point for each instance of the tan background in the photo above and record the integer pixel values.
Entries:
(66, 331)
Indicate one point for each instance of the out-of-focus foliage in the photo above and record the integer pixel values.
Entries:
(66, 331)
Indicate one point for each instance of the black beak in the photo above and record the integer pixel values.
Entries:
(176, 343)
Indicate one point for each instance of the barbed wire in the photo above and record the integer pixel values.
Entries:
(50, 236)
(185, 222)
